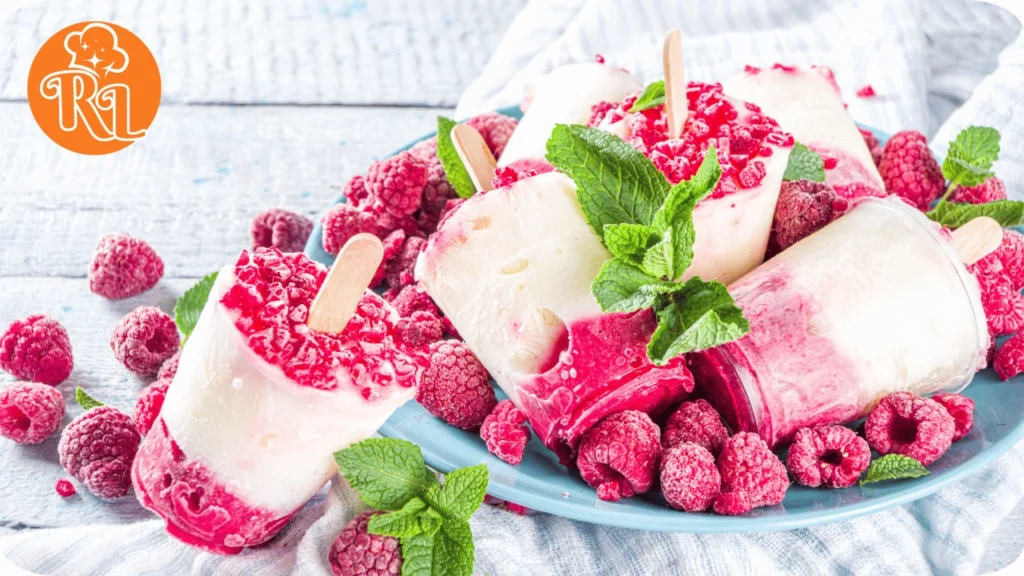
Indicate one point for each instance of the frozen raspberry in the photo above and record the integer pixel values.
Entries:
(123, 266)
(961, 408)
(343, 222)
(1009, 359)
(169, 368)
(829, 456)
(144, 339)
(619, 456)
(436, 193)
(147, 407)
(393, 243)
(389, 223)
(695, 422)
(599, 111)
(414, 298)
(1003, 305)
(732, 503)
(988, 191)
(455, 386)
(1011, 255)
(396, 183)
(689, 478)
(495, 128)
(751, 175)
(866, 91)
(450, 331)
(873, 145)
(909, 170)
(505, 432)
(507, 175)
(804, 208)
(907, 424)
(747, 465)
(355, 191)
(400, 268)
(37, 349)
(30, 412)
(356, 551)
(284, 230)
(506, 505)
(65, 488)
(419, 329)
(97, 448)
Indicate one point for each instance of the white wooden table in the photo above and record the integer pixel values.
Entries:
(249, 121)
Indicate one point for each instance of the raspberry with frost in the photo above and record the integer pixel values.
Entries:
(689, 478)
(355, 191)
(495, 129)
(414, 298)
(65, 488)
(30, 412)
(505, 432)
(804, 207)
(144, 339)
(829, 456)
(393, 243)
(455, 386)
(169, 368)
(284, 230)
(436, 192)
(1003, 304)
(123, 266)
(37, 349)
(733, 504)
(1011, 255)
(419, 329)
(748, 466)
(619, 456)
(988, 191)
(907, 424)
(97, 449)
(697, 422)
(1009, 359)
(400, 268)
(148, 406)
(343, 222)
(909, 170)
(961, 408)
(396, 183)
(356, 551)
(873, 145)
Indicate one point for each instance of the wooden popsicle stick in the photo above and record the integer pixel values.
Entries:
(346, 281)
(475, 155)
(977, 239)
(675, 82)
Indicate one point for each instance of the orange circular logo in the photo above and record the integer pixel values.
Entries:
(94, 88)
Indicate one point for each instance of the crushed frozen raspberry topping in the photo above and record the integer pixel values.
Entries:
(148, 405)
(144, 339)
(284, 230)
(30, 412)
(419, 329)
(98, 448)
(907, 424)
(396, 183)
(696, 422)
(169, 368)
(123, 266)
(988, 191)
(804, 207)
(400, 268)
(495, 129)
(961, 408)
(455, 386)
(270, 298)
(344, 221)
(909, 170)
(507, 175)
(748, 466)
(866, 91)
(65, 488)
(356, 551)
(1009, 359)
(38, 349)
(619, 456)
(829, 456)
(690, 480)
(505, 432)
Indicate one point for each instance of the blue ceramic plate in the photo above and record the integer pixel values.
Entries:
(542, 484)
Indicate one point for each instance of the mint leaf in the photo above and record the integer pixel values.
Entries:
(404, 523)
(85, 401)
(627, 241)
(699, 315)
(417, 555)
(894, 467)
(971, 155)
(652, 96)
(454, 170)
(454, 544)
(658, 260)
(191, 304)
(615, 183)
(804, 164)
(622, 287)
(1008, 213)
(430, 521)
(386, 472)
(462, 492)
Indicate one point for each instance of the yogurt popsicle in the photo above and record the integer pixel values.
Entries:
(260, 401)
(807, 104)
(876, 302)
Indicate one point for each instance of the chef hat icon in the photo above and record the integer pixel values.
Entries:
(95, 49)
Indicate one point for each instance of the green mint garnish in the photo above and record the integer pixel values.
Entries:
(971, 155)
(623, 287)
(449, 157)
(652, 96)
(697, 316)
(85, 401)
(191, 304)
(385, 472)
(628, 241)
(402, 523)
(894, 467)
(804, 164)
(462, 493)
(1008, 213)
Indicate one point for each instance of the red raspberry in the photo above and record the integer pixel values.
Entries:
(829, 456)
(97, 448)
(804, 208)
(507, 175)
(144, 339)
(1004, 306)
(988, 191)
(284, 230)
(866, 91)
(30, 412)
(873, 145)
(123, 266)
(907, 424)
(747, 465)
(419, 329)
(733, 504)
(169, 368)
(450, 331)
(37, 349)
(355, 192)
(495, 128)
(619, 456)
(396, 183)
(389, 223)
(1011, 255)
(356, 551)
(505, 432)
(414, 298)
(343, 222)
(752, 174)
(65, 488)
(1009, 359)
(148, 406)
(695, 422)
(909, 170)
(393, 243)
(689, 479)
(400, 269)
(436, 192)
(455, 386)
(961, 408)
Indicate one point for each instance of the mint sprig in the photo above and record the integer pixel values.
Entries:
(386, 473)
(804, 164)
(85, 401)
(190, 305)
(893, 467)
(971, 155)
(697, 316)
(454, 170)
(1008, 213)
(652, 97)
